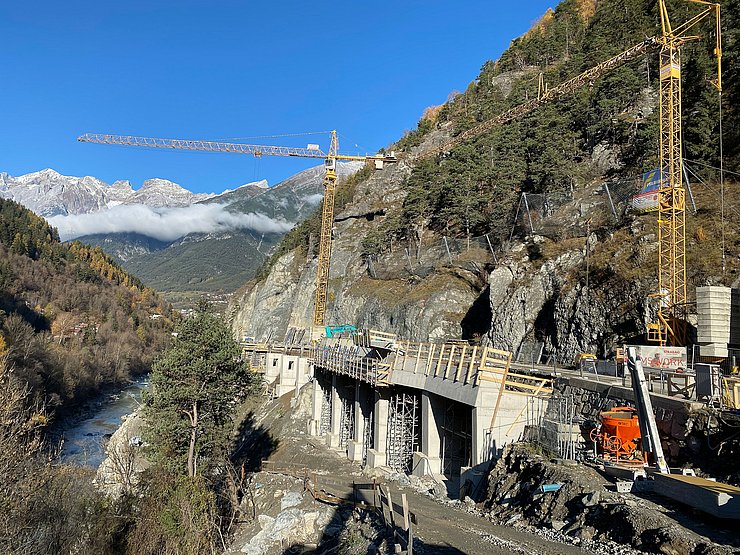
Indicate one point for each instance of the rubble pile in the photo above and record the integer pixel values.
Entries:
(526, 489)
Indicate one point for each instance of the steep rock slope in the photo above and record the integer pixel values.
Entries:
(391, 266)
(416, 301)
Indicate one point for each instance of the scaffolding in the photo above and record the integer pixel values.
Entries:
(369, 435)
(347, 421)
(325, 425)
(403, 431)
(552, 425)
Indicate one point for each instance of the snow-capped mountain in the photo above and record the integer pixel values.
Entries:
(173, 239)
(49, 193)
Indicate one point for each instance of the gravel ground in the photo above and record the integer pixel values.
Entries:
(444, 526)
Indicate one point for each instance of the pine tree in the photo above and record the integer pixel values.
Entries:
(194, 386)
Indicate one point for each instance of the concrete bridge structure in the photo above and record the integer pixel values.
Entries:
(441, 409)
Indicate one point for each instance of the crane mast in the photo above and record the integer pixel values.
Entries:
(672, 312)
(671, 324)
(327, 226)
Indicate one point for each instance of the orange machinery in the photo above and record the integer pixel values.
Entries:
(618, 437)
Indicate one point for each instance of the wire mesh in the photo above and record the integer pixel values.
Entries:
(553, 425)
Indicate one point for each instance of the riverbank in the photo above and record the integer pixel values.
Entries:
(84, 434)
(119, 471)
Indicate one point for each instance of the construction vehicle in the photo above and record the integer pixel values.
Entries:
(334, 331)
(311, 151)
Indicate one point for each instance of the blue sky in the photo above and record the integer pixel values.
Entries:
(224, 69)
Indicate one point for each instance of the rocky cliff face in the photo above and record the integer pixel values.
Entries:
(535, 290)
(402, 292)
(549, 301)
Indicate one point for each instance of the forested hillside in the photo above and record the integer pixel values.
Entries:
(71, 319)
(604, 130)
(442, 247)
(609, 129)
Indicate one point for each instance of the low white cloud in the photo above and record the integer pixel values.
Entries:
(165, 224)
(314, 199)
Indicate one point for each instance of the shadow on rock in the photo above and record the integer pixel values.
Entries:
(254, 445)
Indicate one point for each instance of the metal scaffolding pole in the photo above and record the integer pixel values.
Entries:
(325, 425)
(347, 423)
(403, 431)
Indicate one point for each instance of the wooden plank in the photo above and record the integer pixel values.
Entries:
(449, 362)
(544, 392)
(501, 389)
(439, 360)
(430, 359)
(482, 365)
(471, 367)
(390, 508)
(462, 361)
(531, 387)
(405, 508)
(509, 382)
(521, 412)
(418, 358)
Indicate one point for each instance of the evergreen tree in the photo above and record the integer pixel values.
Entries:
(195, 384)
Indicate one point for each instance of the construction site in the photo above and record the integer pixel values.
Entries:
(450, 410)
(520, 435)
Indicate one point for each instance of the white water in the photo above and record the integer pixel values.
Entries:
(84, 442)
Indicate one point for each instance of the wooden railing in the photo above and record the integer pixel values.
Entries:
(456, 361)
(375, 338)
(460, 362)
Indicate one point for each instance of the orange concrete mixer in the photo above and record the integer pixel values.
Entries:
(618, 437)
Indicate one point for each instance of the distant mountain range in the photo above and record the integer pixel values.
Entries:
(171, 238)
(49, 193)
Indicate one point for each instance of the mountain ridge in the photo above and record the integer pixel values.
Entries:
(50, 193)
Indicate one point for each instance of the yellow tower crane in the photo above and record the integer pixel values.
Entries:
(671, 325)
(311, 151)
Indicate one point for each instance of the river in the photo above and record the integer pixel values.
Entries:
(84, 441)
